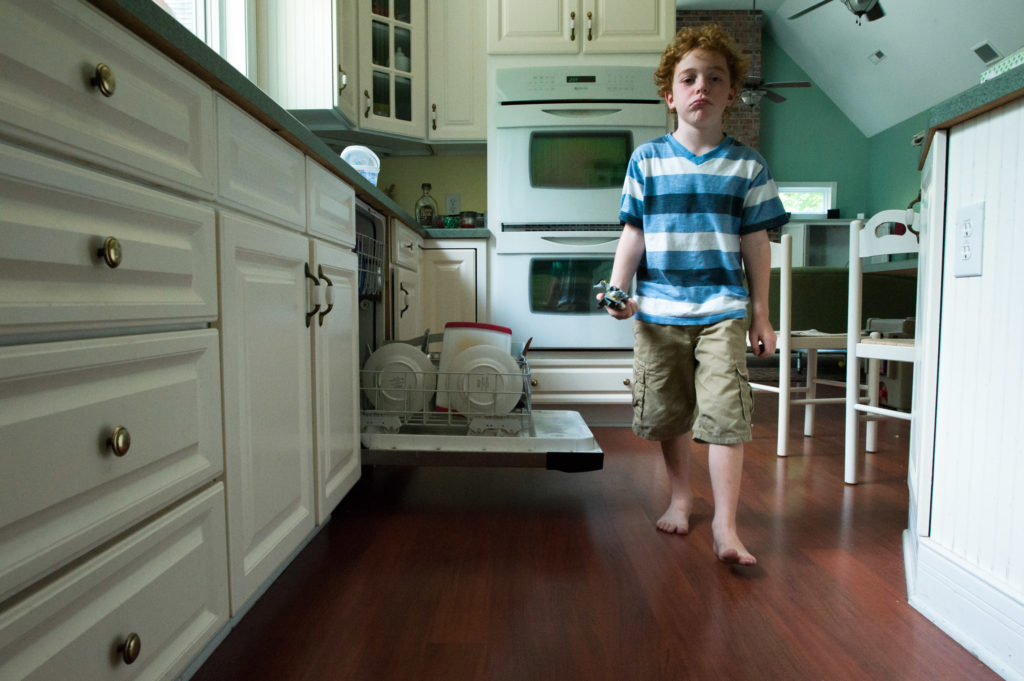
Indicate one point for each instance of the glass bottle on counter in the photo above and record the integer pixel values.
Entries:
(426, 208)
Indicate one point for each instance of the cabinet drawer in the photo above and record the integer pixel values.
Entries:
(157, 125)
(405, 247)
(259, 173)
(165, 583)
(54, 218)
(581, 381)
(331, 205)
(63, 490)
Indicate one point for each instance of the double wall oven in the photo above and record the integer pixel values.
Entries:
(560, 142)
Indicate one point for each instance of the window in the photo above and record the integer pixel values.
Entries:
(808, 199)
(221, 24)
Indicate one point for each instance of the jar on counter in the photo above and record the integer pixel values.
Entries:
(426, 207)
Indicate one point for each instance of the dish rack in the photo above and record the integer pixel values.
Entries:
(406, 402)
(371, 266)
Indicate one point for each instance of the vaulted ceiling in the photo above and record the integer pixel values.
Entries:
(928, 48)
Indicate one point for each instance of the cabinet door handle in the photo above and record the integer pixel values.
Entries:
(328, 294)
(104, 81)
(626, 382)
(590, 25)
(572, 26)
(111, 252)
(120, 441)
(131, 648)
(433, 116)
(369, 103)
(343, 79)
(401, 287)
(315, 294)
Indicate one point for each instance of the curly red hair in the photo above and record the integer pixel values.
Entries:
(710, 38)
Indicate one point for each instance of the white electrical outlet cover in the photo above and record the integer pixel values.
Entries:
(970, 233)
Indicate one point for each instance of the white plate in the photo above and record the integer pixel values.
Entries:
(485, 380)
(459, 337)
(399, 377)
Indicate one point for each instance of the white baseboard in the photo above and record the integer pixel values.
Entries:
(978, 614)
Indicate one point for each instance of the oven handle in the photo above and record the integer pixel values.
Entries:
(581, 113)
(580, 240)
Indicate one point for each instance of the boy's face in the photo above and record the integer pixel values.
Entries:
(701, 90)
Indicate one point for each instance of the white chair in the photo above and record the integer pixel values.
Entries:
(790, 341)
(867, 241)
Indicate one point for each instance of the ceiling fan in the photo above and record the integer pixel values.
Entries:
(867, 9)
(755, 88)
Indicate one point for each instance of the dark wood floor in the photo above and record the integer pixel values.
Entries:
(521, 574)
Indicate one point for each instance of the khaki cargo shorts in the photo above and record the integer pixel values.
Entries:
(692, 378)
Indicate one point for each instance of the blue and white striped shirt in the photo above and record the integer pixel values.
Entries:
(693, 211)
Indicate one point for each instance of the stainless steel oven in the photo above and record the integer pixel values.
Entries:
(558, 147)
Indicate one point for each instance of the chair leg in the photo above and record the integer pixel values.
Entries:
(811, 392)
(871, 431)
(785, 384)
(852, 398)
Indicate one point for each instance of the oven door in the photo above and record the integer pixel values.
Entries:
(564, 163)
(548, 295)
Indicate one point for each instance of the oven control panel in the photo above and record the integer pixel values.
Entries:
(568, 83)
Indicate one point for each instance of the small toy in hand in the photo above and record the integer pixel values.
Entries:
(614, 297)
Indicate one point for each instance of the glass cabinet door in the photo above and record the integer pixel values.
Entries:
(394, 79)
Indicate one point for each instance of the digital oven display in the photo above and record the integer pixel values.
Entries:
(581, 79)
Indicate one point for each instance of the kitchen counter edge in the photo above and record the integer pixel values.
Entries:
(975, 101)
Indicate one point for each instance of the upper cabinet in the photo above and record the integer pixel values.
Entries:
(392, 66)
(306, 55)
(457, 58)
(571, 26)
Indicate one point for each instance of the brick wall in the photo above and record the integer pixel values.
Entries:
(741, 121)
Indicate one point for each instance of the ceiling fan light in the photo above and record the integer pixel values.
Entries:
(751, 97)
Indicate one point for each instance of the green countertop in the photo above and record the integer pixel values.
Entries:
(151, 23)
(973, 102)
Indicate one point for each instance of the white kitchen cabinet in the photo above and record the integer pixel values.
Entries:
(574, 26)
(335, 350)
(331, 206)
(56, 223)
(456, 78)
(581, 377)
(406, 253)
(392, 66)
(267, 398)
(258, 172)
(162, 587)
(150, 119)
(131, 423)
(307, 57)
(454, 273)
(406, 246)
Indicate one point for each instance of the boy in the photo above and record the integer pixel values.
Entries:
(695, 207)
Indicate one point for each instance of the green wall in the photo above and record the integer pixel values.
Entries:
(808, 139)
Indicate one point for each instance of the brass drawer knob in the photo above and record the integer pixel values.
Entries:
(626, 382)
(104, 80)
(533, 382)
(111, 252)
(131, 648)
(119, 441)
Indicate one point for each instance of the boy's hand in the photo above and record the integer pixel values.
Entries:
(762, 339)
(624, 312)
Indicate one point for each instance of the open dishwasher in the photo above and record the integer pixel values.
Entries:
(464, 406)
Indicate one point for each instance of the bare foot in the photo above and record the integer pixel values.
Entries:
(676, 519)
(732, 552)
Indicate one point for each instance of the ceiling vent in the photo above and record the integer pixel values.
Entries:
(986, 53)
